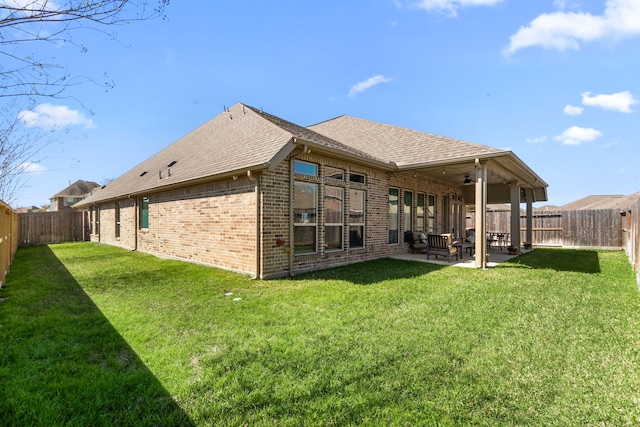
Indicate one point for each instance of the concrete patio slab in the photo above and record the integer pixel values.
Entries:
(496, 256)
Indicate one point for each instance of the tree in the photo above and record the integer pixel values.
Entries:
(18, 150)
(26, 77)
(30, 22)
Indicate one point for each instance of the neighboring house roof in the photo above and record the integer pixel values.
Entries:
(79, 188)
(243, 138)
(31, 209)
(614, 201)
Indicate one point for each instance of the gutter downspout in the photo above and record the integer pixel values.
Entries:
(258, 223)
(305, 149)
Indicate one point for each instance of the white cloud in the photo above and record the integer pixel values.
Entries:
(52, 117)
(367, 84)
(537, 140)
(28, 167)
(576, 135)
(30, 5)
(566, 30)
(621, 101)
(570, 110)
(451, 7)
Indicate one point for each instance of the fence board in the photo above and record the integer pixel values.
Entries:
(8, 239)
(52, 227)
(582, 228)
(631, 236)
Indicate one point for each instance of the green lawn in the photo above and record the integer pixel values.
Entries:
(95, 335)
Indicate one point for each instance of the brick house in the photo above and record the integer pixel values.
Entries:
(71, 195)
(253, 193)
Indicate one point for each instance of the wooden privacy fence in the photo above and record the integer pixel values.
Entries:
(53, 227)
(8, 239)
(600, 228)
(631, 235)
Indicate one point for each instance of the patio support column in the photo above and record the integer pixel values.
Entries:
(529, 225)
(481, 214)
(515, 213)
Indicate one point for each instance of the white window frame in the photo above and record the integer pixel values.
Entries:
(340, 224)
(306, 223)
(359, 224)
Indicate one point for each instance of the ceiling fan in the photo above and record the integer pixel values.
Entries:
(467, 180)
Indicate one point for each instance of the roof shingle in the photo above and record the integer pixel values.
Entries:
(402, 146)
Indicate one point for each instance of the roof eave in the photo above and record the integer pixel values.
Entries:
(532, 177)
(187, 183)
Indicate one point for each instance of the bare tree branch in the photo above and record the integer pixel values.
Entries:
(27, 22)
(19, 148)
(25, 76)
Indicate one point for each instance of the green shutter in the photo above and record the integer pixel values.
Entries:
(144, 213)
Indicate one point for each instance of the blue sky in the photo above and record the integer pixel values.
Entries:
(554, 81)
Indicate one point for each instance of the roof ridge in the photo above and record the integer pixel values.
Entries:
(328, 120)
(312, 136)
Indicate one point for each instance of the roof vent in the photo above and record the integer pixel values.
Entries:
(143, 173)
(173, 162)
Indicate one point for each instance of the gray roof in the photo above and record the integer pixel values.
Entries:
(78, 189)
(405, 147)
(244, 138)
(613, 201)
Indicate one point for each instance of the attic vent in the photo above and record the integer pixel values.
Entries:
(173, 162)
(143, 173)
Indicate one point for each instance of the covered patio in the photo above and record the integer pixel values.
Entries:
(488, 178)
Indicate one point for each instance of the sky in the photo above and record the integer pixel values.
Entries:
(556, 82)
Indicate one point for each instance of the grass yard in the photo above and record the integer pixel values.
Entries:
(96, 335)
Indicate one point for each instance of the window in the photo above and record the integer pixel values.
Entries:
(431, 213)
(305, 168)
(358, 178)
(356, 218)
(333, 218)
(98, 220)
(117, 220)
(446, 223)
(70, 201)
(408, 210)
(144, 213)
(92, 219)
(420, 211)
(333, 173)
(305, 218)
(394, 195)
(458, 217)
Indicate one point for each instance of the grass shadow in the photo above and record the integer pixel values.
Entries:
(63, 363)
(573, 260)
(374, 272)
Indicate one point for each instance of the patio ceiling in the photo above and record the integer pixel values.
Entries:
(502, 169)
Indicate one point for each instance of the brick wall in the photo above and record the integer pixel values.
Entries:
(215, 223)
(212, 223)
(128, 224)
(275, 215)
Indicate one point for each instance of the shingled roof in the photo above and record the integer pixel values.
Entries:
(612, 201)
(244, 138)
(405, 147)
(77, 189)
